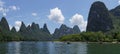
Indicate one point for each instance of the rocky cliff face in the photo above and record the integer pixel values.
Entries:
(115, 11)
(13, 29)
(4, 26)
(116, 18)
(76, 29)
(99, 18)
(45, 29)
(33, 32)
(64, 30)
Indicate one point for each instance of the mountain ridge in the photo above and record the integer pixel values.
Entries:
(99, 18)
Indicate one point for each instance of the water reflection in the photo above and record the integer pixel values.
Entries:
(43, 48)
(51, 48)
(13, 48)
(3, 48)
(28, 48)
(73, 48)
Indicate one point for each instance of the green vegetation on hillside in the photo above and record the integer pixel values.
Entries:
(90, 37)
(103, 26)
(26, 33)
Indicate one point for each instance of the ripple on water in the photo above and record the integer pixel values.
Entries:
(45, 48)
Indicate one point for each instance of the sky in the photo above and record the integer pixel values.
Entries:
(52, 12)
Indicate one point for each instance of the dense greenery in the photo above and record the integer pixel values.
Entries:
(29, 33)
(91, 36)
(103, 26)
(33, 32)
(99, 19)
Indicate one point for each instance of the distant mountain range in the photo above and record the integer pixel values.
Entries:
(64, 30)
(32, 32)
(99, 19)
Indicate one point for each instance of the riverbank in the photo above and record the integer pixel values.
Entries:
(69, 42)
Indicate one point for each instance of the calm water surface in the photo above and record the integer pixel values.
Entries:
(58, 48)
(43, 48)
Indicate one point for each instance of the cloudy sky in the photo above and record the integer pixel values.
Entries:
(52, 12)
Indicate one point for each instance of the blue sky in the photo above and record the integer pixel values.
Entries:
(52, 12)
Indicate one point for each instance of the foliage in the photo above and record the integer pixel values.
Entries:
(30, 33)
(88, 36)
(73, 37)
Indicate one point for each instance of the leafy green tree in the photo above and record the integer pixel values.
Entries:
(73, 37)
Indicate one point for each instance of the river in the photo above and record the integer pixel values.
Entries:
(56, 48)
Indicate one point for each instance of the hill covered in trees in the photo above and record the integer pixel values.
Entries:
(32, 32)
(26, 33)
(103, 25)
(65, 30)
(99, 18)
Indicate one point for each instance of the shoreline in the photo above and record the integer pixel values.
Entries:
(66, 42)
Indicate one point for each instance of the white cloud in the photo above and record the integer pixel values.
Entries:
(10, 27)
(119, 1)
(34, 14)
(5, 9)
(4, 14)
(2, 3)
(14, 8)
(78, 19)
(56, 15)
(17, 25)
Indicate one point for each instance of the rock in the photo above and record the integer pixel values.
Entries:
(99, 18)
(64, 30)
